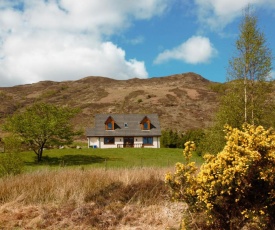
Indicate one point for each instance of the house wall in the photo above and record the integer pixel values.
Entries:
(156, 143)
(118, 140)
(138, 140)
(93, 142)
(98, 142)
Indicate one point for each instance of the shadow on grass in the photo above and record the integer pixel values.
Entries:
(71, 160)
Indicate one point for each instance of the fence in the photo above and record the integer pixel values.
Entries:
(130, 146)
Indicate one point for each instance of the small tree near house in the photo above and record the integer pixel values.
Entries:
(42, 124)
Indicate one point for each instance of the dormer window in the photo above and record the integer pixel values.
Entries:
(125, 125)
(145, 124)
(110, 124)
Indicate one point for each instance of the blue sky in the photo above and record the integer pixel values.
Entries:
(63, 40)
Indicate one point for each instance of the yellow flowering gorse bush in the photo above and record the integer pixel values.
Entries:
(182, 181)
(236, 187)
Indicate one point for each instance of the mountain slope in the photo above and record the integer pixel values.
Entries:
(183, 101)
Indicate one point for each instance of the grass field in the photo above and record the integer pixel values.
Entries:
(106, 158)
(97, 189)
(90, 199)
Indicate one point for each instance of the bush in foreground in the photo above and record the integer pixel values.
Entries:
(234, 189)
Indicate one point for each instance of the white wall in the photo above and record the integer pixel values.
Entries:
(93, 141)
(118, 140)
(99, 142)
(156, 143)
(138, 140)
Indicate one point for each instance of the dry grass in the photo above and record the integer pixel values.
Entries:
(88, 199)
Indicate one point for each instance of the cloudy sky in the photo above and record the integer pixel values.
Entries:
(67, 39)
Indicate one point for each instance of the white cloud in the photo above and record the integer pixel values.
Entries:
(136, 40)
(216, 14)
(62, 60)
(195, 50)
(66, 39)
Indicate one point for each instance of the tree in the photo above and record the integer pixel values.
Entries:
(42, 124)
(247, 94)
(249, 72)
(233, 189)
(169, 138)
(195, 135)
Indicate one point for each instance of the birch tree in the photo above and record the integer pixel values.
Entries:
(250, 71)
(247, 97)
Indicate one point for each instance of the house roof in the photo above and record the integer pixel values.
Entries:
(132, 127)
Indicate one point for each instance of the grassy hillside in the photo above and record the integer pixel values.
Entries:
(182, 101)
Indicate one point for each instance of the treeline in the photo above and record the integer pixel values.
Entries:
(176, 139)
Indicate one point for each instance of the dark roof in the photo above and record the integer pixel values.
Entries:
(133, 125)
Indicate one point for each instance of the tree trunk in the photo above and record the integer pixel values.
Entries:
(39, 154)
(245, 91)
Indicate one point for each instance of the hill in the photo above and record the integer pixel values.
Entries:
(182, 101)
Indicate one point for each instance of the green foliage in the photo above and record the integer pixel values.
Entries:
(212, 141)
(218, 87)
(10, 161)
(195, 135)
(12, 143)
(253, 59)
(10, 164)
(169, 139)
(247, 97)
(42, 124)
(250, 69)
(175, 139)
(260, 111)
(235, 188)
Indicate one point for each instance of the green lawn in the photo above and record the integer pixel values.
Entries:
(107, 158)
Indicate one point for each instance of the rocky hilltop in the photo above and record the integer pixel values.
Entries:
(182, 101)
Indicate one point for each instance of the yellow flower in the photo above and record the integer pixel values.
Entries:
(262, 212)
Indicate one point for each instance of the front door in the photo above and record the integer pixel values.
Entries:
(128, 142)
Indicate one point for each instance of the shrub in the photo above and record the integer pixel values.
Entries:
(10, 164)
(235, 188)
(12, 143)
(174, 139)
(10, 161)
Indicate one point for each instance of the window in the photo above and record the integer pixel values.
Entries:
(145, 123)
(125, 125)
(109, 140)
(145, 126)
(148, 140)
(109, 126)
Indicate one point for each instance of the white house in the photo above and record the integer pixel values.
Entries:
(124, 130)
